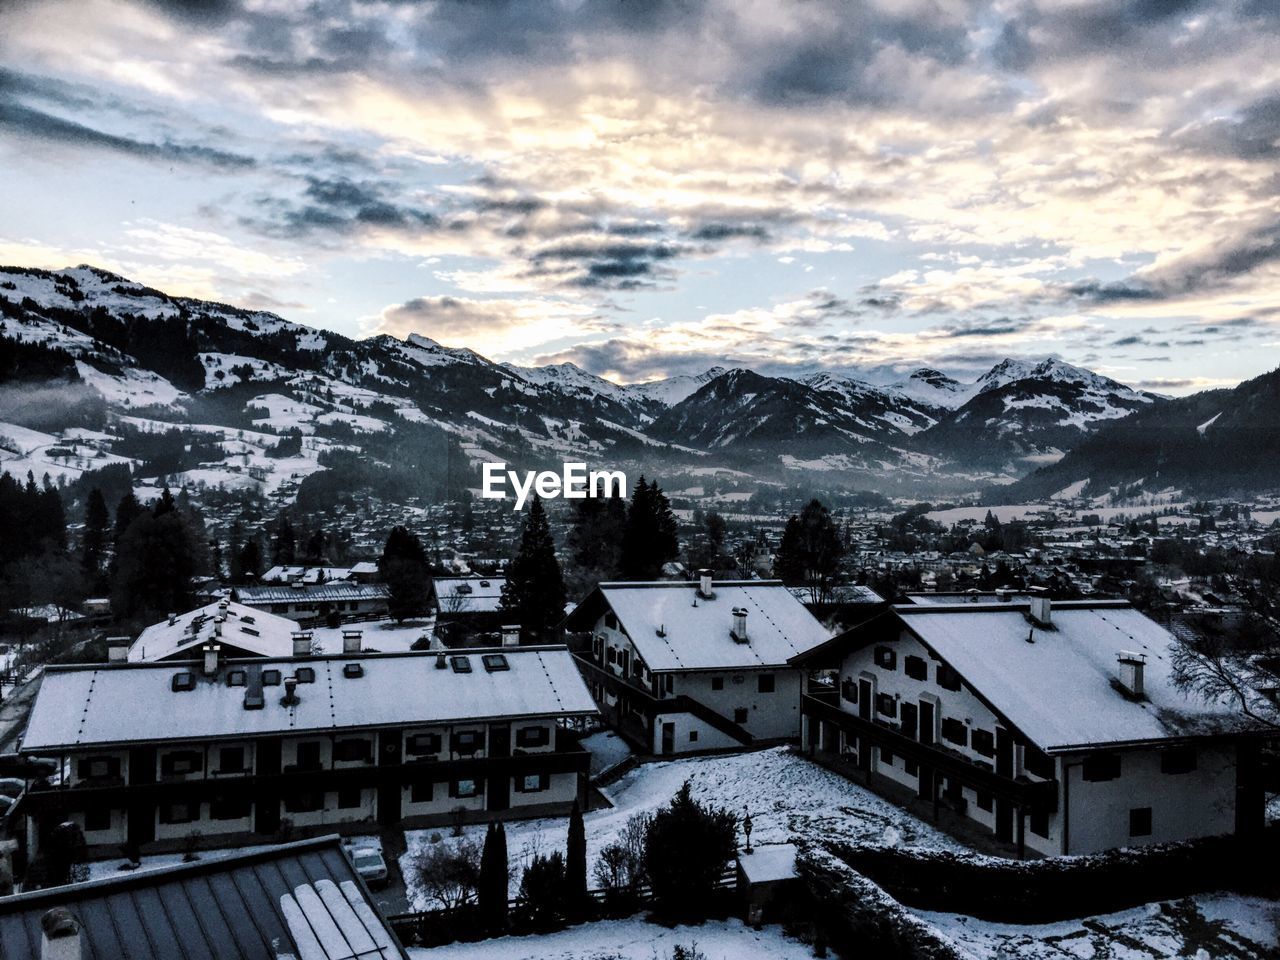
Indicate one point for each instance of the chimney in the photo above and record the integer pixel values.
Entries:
(1132, 666)
(212, 653)
(511, 635)
(290, 697)
(441, 662)
(117, 649)
(1041, 611)
(223, 604)
(351, 640)
(704, 584)
(60, 935)
(739, 631)
(173, 618)
(302, 643)
(297, 583)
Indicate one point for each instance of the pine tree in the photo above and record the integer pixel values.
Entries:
(576, 863)
(492, 889)
(249, 561)
(155, 562)
(93, 543)
(810, 551)
(127, 510)
(533, 595)
(284, 545)
(403, 567)
(650, 538)
(164, 505)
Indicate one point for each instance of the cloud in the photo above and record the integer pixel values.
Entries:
(498, 326)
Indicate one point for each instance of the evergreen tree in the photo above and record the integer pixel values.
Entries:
(650, 538)
(283, 546)
(249, 561)
(316, 546)
(533, 595)
(492, 888)
(165, 504)
(155, 562)
(127, 510)
(576, 864)
(687, 847)
(404, 569)
(93, 544)
(810, 551)
(594, 542)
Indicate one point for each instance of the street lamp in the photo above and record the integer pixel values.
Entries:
(746, 828)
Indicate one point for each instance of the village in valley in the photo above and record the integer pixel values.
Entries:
(781, 722)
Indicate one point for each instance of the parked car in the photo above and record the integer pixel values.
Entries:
(370, 863)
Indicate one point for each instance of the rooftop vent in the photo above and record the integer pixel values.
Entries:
(511, 635)
(212, 654)
(1132, 666)
(1041, 611)
(290, 697)
(173, 618)
(60, 935)
(441, 661)
(117, 649)
(739, 631)
(464, 588)
(484, 583)
(705, 590)
(351, 640)
(297, 584)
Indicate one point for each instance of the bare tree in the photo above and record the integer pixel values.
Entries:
(447, 873)
(1237, 663)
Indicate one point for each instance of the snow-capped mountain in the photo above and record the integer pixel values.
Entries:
(1029, 413)
(124, 359)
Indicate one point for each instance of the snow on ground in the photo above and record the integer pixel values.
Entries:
(106, 869)
(134, 387)
(786, 795)
(632, 939)
(1206, 926)
(607, 750)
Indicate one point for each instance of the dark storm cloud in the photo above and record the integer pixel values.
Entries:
(730, 231)
(1096, 291)
(605, 262)
(1252, 133)
(340, 206)
(200, 12)
(25, 121)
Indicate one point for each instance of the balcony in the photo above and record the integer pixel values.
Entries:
(1036, 794)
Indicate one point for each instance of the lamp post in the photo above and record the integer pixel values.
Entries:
(746, 828)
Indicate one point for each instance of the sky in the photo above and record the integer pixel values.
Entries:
(651, 188)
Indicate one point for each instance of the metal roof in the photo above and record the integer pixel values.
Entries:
(301, 899)
(136, 702)
(233, 625)
(312, 592)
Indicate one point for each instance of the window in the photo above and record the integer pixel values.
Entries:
(307, 801)
(97, 818)
(460, 664)
(183, 681)
(1039, 823)
(886, 704)
(228, 809)
(916, 668)
(467, 741)
(597, 647)
(494, 662)
(910, 767)
(611, 655)
(271, 678)
(765, 683)
(1178, 760)
(886, 757)
(948, 679)
(1140, 822)
(1038, 763)
(693, 736)
(308, 755)
(421, 743)
(669, 683)
(717, 683)
(985, 801)
(422, 792)
(1101, 766)
(886, 658)
(849, 690)
(99, 768)
(954, 731)
(533, 736)
(353, 750)
(611, 621)
(740, 715)
(179, 812)
(349, 798)
(305, 675)
(352, 670)
(984, 743)
(464, 788)
(181, 762)
(231, 760)
(236, 678)
(533, 783)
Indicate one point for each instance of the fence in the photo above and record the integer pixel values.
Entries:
(426, 926)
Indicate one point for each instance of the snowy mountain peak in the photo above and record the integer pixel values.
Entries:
(672, 390)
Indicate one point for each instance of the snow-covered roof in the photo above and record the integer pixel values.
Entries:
(287, 574)
(98, 705)
(232, 625)
(769, 864)
(312, 592)
(845, 593)
(674, 628)
(469, 594)
(1061, 689)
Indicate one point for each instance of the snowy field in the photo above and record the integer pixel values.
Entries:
(1006, 513)
(632, 939)
(786, 795)
(1205, 928)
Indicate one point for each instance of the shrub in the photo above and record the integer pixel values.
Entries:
(448, 874)
(543, 890)
(687, 847)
